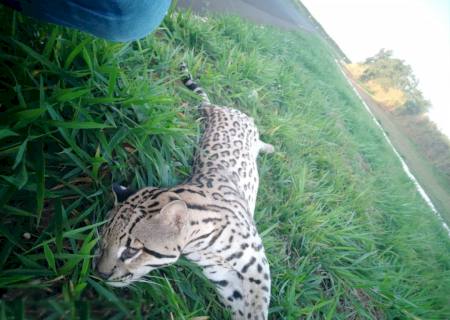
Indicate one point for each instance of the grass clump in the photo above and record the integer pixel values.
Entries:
(346, 233)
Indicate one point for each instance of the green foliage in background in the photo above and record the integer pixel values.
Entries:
(347, 235)
(391, 72)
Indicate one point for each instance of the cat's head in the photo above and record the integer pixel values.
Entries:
(143, 232)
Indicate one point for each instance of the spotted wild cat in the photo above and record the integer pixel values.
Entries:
(208, 219)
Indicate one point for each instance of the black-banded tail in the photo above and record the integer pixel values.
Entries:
(189, 82)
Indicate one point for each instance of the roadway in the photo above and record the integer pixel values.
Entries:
(281, 13)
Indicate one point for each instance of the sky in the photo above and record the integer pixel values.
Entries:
(418, 31)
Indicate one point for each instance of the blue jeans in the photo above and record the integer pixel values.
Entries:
(116, 20)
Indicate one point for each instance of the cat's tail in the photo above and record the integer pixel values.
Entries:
(189, 82)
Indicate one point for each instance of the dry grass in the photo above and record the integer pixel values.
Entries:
(389, 98)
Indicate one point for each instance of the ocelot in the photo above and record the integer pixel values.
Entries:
(208, 219)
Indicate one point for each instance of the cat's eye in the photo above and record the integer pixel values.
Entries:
(128, 253)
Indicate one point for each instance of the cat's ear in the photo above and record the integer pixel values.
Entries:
(121, 193)
(174, 214)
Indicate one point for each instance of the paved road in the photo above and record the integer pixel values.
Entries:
(281, 13)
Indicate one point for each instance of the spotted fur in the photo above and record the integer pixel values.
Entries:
(208, 219)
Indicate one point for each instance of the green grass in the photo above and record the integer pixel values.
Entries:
(346, 233)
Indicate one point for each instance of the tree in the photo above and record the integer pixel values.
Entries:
(391, 72)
